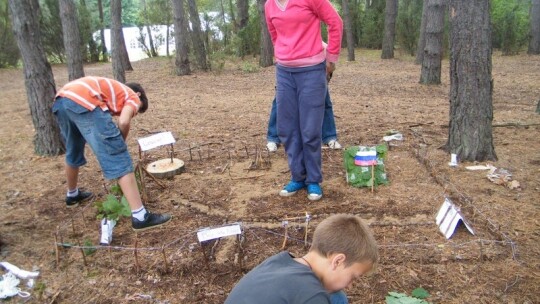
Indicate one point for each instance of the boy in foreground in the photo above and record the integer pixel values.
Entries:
(343, 249)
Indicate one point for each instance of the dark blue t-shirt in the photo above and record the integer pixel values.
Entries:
(279, 279)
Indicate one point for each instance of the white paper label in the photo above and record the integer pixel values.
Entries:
(214, 233)
(156, 140)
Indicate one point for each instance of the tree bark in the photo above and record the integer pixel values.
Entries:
(242, 7)
(431, 63)
(38, 76)
(349, 34)
(471, 86)
(389, 29)
(534, 42)
(153, 52)
(180, 37)
(117, 37)
(422, 37)
(224, 27)
(104, 54)
(197, 36)
(267, 49)
(117, 41)
(72, 39)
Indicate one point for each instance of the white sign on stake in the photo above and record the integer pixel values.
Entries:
(448, 218)
(156, 140)
(207, 234)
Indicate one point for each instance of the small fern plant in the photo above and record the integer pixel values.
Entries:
(112, 208)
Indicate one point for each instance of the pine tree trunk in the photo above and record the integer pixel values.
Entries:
(422, 37)
(267, 49)
(534, 42)
(349, 35)
(153, 52)
(242, 6)
(389, 29)
(72, 40)
(180, 37)
(118, 43)
(431, 63)
(119, 71)
(104, 54)
(38, 76)
(224, 27)
(197, 36)
(471, 86)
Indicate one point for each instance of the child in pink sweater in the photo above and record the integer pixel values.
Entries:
(302, 66)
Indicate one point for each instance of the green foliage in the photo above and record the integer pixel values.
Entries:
(9, 52)
(51, 30)
(408, 24)
(112, 208)
(90, 248)
(420, 293)
(372, 25)
(249, 67)
(510, 25)
(401, 298)
(40, 288)
(116, 190)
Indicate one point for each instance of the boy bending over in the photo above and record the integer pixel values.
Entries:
(343, 249)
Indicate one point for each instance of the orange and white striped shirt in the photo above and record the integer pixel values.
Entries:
(108, 94)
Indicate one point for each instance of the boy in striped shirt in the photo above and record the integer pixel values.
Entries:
(84, 109)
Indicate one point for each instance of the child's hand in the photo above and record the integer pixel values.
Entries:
(330, 68)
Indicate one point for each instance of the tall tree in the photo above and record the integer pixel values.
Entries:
(9, 53)
(104, 53)
(389, 29)
(267, 49)
(422, 38)
(180, 37)
(349, 34)
(471, 86)
(72, 39)
(118, 44)
(146, 24)
(38, 76)
(86, 29)
(534, 42)
(242, 6)
(431, 63)
(197, 36)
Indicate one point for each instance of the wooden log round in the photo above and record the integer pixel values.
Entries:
(164, 168)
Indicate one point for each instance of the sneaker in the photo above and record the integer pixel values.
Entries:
(271, 146)
(81, 197)
(291, 188)
(333, 144)
(314, 192)
(151, 220)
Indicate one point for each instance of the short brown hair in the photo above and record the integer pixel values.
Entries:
(346, 234)
(137, 88)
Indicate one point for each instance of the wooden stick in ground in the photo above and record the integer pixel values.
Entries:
(154, 179)
(164, 258)
(307, 226)
(57, 253)
(135, 253)
(286, 225)
(172, 153)
(372, 177)
(206, 262)
(82, 253)
(190, 155)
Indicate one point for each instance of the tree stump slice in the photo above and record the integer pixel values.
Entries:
(164, 168)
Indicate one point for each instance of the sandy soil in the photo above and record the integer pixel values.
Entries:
(219, 120)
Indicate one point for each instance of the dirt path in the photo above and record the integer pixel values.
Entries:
(225, 114)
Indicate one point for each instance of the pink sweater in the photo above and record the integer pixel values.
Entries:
(296, 31)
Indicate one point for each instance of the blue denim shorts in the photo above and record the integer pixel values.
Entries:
(79, 126)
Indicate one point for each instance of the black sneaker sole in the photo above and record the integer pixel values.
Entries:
(151, 227)
(75, 204)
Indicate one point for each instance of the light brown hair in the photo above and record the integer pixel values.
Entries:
(346, 234)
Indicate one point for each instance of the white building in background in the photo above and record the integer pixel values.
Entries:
(135, 48)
